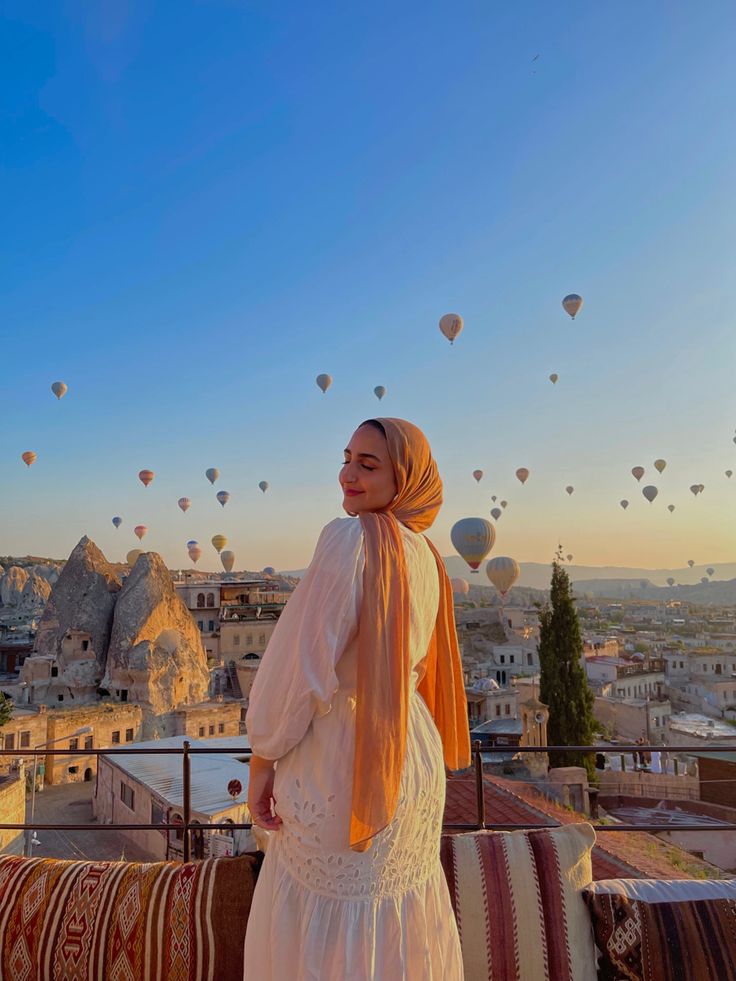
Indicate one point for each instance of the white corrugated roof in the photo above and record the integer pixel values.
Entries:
(210, 772)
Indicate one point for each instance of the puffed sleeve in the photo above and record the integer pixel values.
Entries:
(296, 678)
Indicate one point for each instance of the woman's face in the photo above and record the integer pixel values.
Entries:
(367, 476)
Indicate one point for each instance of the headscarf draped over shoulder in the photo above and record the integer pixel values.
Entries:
(384, 663)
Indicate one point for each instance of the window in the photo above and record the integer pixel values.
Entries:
(236, 640)
(59, 698)
(129, 735)
(262, 639)
(124, 695)
(498, 710)
(200, 599)
(201, 732)
(507, 708)
(9, 740)
(116, 737)
(210, 599)
(73, 770)
(211, 625)
(54, 671)
(249, 640)
(212, 730)
(25, 739)
(85, 645)
(502, 659)
(200, 624)
(511, 659)
(221, 728)
(127, 796)
(73, 745)
(89, 742)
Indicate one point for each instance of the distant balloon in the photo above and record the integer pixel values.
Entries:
(659, 465)
(650, 492)
(729, 473)
(670, 508)
(504, 504)
(522, 474)
(569, 558)
(553, 378)
(212, 474)
(704, 579)
(323, 382)
(473, 539)
(140, 532)
(59, 389)
(263, 485)
(117, 521)
(133, 555)
(691, 562)
(195, 553)
(29, 457)
(624, 504)
(219, 541)
(451, 325)
(569, 489)
(461, 587)
(379, 391)
(145, 477)
(710, 571)
(695, 489)
(493, 498)
(192, 542)
(228, 560)
(478, 474)
(184, 503)
(572, 304)
(503, 573)
(670, 581)
(701, 488)
(269, 571)
(638, 472)
(496, 513)
(223, 497)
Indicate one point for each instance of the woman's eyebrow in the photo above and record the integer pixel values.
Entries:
(369, 456)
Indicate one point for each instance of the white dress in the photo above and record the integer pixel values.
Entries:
(321, 911)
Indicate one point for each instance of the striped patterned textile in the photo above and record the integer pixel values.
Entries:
(516, 897)
(664, 930)
(123, 921)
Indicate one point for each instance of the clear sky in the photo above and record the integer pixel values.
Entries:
(205, 204)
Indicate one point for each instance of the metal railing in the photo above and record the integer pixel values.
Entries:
(187, 826)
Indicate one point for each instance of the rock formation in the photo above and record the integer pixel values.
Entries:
(155, 653)
(34, 596)
(81, 599)
(11, 585)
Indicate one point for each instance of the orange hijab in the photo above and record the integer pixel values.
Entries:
(384, 668)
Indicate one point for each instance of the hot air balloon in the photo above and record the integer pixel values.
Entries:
(195, 553)
(704, 579)
(473, 539)
(29, 457)
(691, 562)
(184, 503)
(132, 557)
(145, 477)
(263, 485)
(572, 304)
(670, 508)
(493, 498)
(323, 382)
(269, 571)
(460, 587)
(496, 513)
(140, 532)
(523, 474)
(503, 573)
(650, 492)
(710, 571)
(701, 488)
(553, 378)
(191, 542)
(59, 389)
(729, 473)
(478, 474)
(569, 489)
(379, 391)
(670, 581)
(219, 541)
(228, 560)
(569, 558)
(212, 474)
(659, 465)
(695, 489)
(223, 497)
(451, 325)
(624, 504)
(638, 472)
(504, 504)
(117, 521)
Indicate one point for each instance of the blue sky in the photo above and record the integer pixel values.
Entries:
(206, 204)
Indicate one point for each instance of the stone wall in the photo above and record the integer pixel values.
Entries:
(12, 811)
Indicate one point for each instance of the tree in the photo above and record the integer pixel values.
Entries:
(563, 682)
(6, 709)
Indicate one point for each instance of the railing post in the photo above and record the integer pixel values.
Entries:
(187, 791)
(479, 790)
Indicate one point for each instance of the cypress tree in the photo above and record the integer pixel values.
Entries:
(6, 710)
(563, 682)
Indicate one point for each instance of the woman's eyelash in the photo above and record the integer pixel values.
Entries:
(371, 469)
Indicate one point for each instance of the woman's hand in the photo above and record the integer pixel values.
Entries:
(260, 794)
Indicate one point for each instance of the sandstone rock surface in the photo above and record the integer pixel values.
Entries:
(11, 585)
(34, 596)
(155, 651)
(82, 598)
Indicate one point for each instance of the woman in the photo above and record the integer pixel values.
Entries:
(362, 659)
